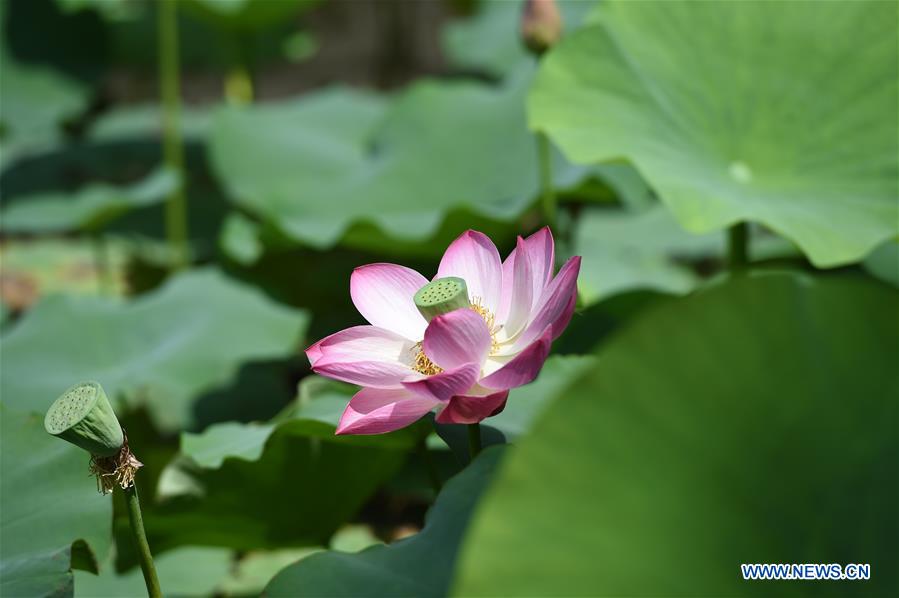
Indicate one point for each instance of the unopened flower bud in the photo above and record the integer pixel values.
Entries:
(84, 417)
(541, 25)
(441, 296)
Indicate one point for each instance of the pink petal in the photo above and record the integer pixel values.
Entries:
(365, 373)
(523, 368)
(561, 323)
(314, 353)
(554, 308)
(474, 257)
(518, 288)
(444, 385)
(472, 409)
(505, 300)
(383, 295)
(376, 411)
(542, 255)
(364, 355)
(364, 342)
(457, 338)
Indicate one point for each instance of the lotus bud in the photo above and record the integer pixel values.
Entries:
(84, 417)
(541, 25)
(441, 296)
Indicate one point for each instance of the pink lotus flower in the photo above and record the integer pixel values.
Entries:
(453, 345)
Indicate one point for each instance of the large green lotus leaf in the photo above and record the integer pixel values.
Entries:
(320, 404)
(161, 350)
(256, 569)
(34, 103)
(524, 406)
(624, 251)
(137, 122)
(240, 239)
(89, 208)
(780, 113)
(41, 266)
(421, 565)
(111, 10)
(298, 491)
(126, 157)
(627, 187)
(366, 235)
(206, 571)
(249, 576)
(187, 571)
(649, 250)
(315, 414)
(340, 158)
(883, 262)
(52, 518)
(36, 100)
(209, 494)
(248, 14)
(490, 41)
(753, 422)
(526, 403)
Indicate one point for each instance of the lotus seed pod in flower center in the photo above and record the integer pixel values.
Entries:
(441, 296)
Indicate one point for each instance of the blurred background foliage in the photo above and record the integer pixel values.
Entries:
(689, 407)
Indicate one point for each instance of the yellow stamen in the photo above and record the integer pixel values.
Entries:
(489, 319)
(422, 364)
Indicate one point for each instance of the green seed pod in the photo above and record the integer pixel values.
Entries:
(84, 417)
(441, 296)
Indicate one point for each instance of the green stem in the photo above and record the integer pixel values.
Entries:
(738, 246)
(547, 191)
(172, 147)
(474, 440)
(140, 542)
(430, 466)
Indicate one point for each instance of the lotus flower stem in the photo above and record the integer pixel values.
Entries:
(474, 440)
(140, 542)
(738, 246)
(84, 416)
(173, 150)
(547, 192)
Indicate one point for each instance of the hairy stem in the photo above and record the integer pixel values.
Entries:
(547, 192)
(474, 440)
(140, 542)
(172, 147)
